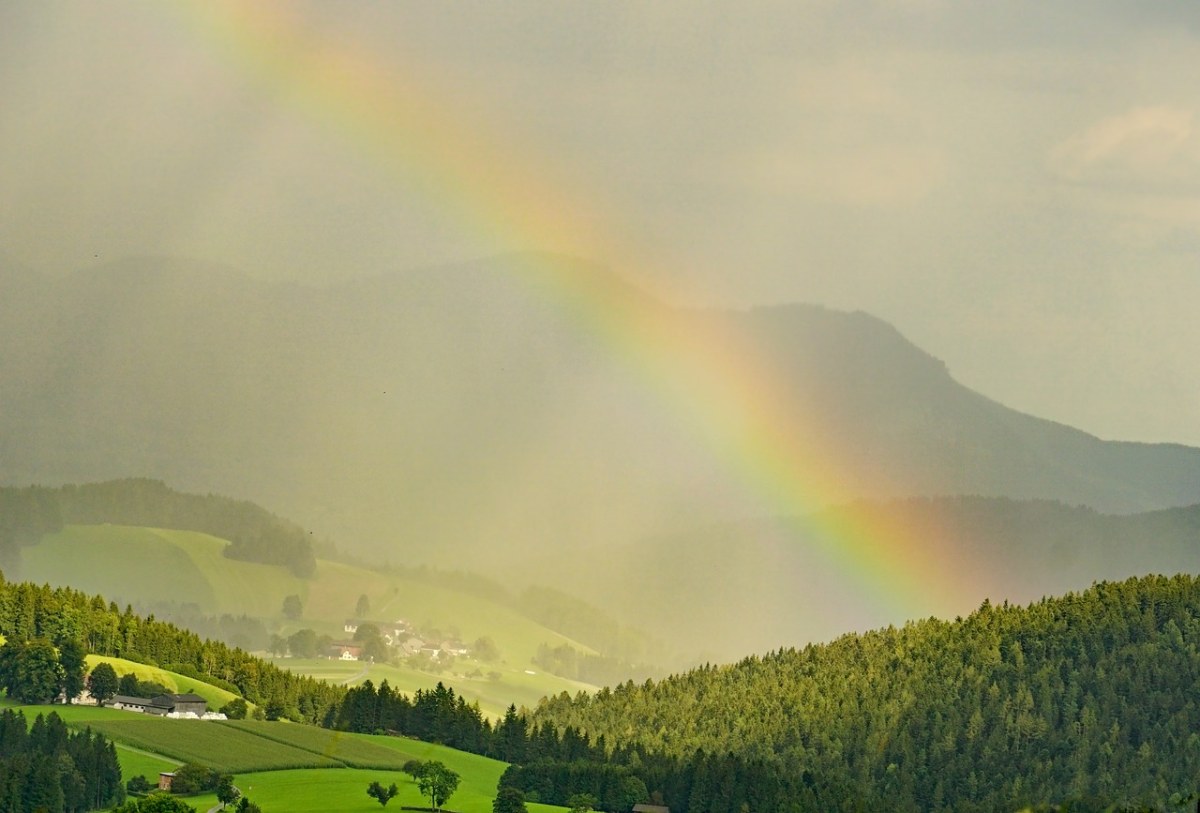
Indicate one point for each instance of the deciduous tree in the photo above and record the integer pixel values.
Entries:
(438, 783)
(293, 608)
(509, 800)
(381, 794)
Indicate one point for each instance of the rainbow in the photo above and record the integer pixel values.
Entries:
(718, 388)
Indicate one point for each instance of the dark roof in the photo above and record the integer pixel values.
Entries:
(126, 700)
(170, 700)
(162, 701)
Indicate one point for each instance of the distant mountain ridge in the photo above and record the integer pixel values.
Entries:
(454, 410)
(780, 593)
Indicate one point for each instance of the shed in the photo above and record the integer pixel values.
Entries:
(142, 704)
(182, 703)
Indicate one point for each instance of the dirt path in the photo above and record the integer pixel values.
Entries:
(353, 678)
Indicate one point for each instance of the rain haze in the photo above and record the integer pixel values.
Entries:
(1014, 187)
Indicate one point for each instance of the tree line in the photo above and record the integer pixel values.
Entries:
(255, 534)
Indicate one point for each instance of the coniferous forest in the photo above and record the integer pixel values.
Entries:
(1089, 699)
(48, 767)
(33, 617)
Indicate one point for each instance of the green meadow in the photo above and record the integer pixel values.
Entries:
(286, 766)
(346, 792)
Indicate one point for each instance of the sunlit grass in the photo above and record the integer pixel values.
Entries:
(177, 683)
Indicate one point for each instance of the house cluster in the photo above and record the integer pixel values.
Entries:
(401, 637)
(175, 706)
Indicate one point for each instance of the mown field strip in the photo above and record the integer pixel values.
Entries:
(217, 746)
(350, 749)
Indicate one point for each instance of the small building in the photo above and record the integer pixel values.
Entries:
(164, 780)
(346, 650)
(455, 647)
(350, 626)
(143, 705)
(182, 703)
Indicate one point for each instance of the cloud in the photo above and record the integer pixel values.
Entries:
(1145, 148)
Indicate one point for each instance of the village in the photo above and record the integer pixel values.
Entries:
(400, 637)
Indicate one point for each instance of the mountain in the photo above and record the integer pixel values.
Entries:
(1087, 698)
(496, 409)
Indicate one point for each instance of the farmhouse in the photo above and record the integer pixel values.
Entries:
(455, 647)
(346, 650)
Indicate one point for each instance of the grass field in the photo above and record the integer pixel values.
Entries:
(351, 750)
(209, 743)
(346, 792)
(131, 564)
(135, 762)
(341, 764)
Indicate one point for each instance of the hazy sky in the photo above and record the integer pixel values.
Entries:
(1015, 185)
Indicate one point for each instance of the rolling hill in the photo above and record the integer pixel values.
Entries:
(1086, 698)
(157, 567)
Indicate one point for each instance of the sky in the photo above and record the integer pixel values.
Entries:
(1015, 186)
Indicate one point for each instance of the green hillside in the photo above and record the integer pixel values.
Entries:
(146, 566)
(181, 684)
(284, 766)
(1090, 696)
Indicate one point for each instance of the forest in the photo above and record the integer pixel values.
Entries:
(48, 767)
(1086, 699)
